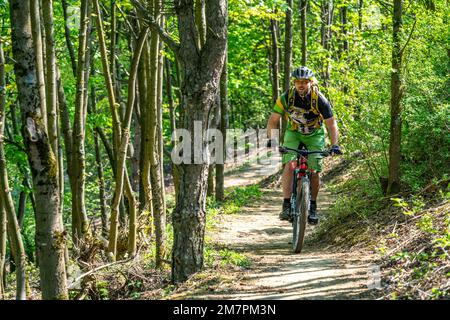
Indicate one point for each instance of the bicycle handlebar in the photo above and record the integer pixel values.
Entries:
(303, 153)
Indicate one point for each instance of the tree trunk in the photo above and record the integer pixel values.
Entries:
(173, 123)
(39, 52)
(50, 238)
(287, 59)
(160, 219)
(2, 247)
(145, 184)
(211, 187)
(303, 5)
(344, 22)
(327, 8)
(100, 174)
(201, 76)
(223, 125)
(396, 99)
(5, 193)
(121, 175)
(68, 40)
(288, 46)
(129, 112)
(22, 208)
(152, 159)
(50, 75)
(275, 61)
(79, 215)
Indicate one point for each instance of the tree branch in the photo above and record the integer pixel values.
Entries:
(154, 26)
(409, 38)
(126, 21)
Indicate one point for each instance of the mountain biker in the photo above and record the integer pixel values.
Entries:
(305, 109)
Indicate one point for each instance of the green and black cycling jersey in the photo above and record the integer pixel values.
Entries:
(306, 114)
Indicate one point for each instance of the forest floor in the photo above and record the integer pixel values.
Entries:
(273, 271)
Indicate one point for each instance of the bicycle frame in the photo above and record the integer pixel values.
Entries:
(299, 168)
(300, 188)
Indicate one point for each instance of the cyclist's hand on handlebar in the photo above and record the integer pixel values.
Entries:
(335, 150)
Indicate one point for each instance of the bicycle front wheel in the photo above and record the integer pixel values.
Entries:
(302, 208)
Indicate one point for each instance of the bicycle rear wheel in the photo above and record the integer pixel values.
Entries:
(300, 216)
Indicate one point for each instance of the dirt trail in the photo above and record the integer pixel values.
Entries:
(275, 272)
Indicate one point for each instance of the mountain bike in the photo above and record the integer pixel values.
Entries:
(301, 193)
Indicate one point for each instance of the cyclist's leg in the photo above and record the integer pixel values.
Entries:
(291, 140)
(315, 141)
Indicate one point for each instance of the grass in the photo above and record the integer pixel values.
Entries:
(409, 233)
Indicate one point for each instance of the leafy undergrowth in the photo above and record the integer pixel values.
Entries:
(139, 279)
(410, 232)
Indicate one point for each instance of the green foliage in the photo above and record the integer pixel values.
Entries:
(224, 257)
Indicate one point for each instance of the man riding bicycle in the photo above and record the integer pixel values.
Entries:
(305, 109)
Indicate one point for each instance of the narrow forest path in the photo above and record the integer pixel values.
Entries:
(275, 272)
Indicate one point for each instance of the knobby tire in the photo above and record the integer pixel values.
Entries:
(302, 208)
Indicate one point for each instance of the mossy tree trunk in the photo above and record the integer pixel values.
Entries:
(50, 238)
(152, 156)
(78, 163)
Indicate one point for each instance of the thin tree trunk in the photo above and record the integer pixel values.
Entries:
(2, 248)
(120, 173)
(288, 45)
(108, 79)
(173, 123)
(154, 141)
(145, 184)
(108, 148)
(275, 61)
(303, 5)
(21, 209)
(223, 125)
(287, 59)
(64, 121)
(112, 46)
(210, 191)
(39, 52)
(50, 238)
(100, 174)
(160, 218)
(132, 235)
(50, 75)
(68, 40)
(327, 8)
(396, 100)
(79, 215)
(344, 22)
(5, 193)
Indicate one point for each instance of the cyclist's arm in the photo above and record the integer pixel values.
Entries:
(273, 123)
(333, 131)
